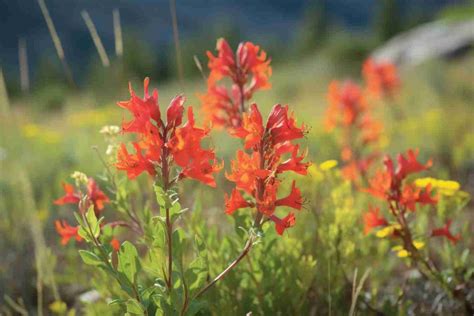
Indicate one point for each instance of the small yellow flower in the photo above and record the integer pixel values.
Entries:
(30, 130)
(397, 248)
(418, 244)
(403, 253)
(387, 231)
(444, 187)
(328, 165)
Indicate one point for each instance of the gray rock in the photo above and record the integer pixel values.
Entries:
(428, 41)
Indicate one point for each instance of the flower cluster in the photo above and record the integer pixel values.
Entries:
(248, 69)
(349, 111)
(381, 78)
(256, 174)
(160, 145)
(402, 197)
(85, 194)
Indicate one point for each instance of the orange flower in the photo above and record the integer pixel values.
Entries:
(282, 125)
(346, 103)
(381, 78)
(256, 173)
(409, 164)
(249, 61)
(349, 112)
(142, 109)
(71, 196)
(281, 224)
(412, 195)
(445, 232)
(67, 232)
(134, 165)
(252, 128)
(248, 69)
(246, 170)
(115, 244)
(222, 108)
(94, 196)
(370, 129)
(372, 219)
(294, 163)
(293, 200)
(235, 202)
(387, 184)
(162, 145)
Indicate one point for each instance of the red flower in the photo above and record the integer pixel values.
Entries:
(409, 164)
(249, 61)
(71, 196)
(282, 125)
(248, 69)
(381, 77)
(293, 200)
(94, 195)
(161, 146)
(142, 109)
(134, 165)
(444, 232)
(221, 107)
(235, 202)
(370, 129)
(246, 170)
(257, 173)
(67, 232)
(373, 219)
(174, 114)
(346, 103)
(294, 163)
(97, 197)
(411, 195)
(281, 224)
(115, 244)
(251, 130)
(426, 197)
(388, 183)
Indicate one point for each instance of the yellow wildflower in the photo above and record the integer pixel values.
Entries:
(328, 165)
(444, 187)
(387, 231)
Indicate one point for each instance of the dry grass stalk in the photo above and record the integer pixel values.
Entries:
(96, 38)
(23, 62)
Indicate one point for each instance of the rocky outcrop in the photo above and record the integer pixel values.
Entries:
(432, 40)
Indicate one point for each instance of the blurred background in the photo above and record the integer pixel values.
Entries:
(64, 64)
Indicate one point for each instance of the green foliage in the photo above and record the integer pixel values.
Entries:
(309, 268)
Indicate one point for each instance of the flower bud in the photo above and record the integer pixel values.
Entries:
(80, 178)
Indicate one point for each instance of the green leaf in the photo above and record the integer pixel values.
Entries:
(176, 211)
(196, 274)
(117, 301)
(92, 222)
(162, 198)
(128, 262)
(134, 307)
(84, 234)
(90, 258)
(159, 234)
(178, 244)
(195, 307)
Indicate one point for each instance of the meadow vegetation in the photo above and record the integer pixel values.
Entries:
(330, 261)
